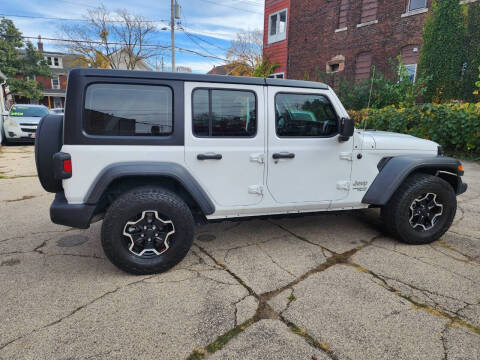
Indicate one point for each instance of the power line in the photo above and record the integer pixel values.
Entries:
(164, 47)
(232, 7)
(71, 19)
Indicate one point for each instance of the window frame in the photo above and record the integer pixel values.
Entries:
(209, 89)
(140, 138)
(305, 137)
(278, 36)
(55, 77)
(409, 10)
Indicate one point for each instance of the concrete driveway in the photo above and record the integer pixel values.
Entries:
(320, 287)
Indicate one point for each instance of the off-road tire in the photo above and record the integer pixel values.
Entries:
(395, 214)
(134, 202)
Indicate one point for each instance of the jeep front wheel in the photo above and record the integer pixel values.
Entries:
(421, 210)
(147, 230)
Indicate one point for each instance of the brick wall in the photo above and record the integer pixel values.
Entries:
(276, 52)
(313, 41)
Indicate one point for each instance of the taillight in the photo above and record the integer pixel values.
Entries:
(62, 166)
(67, 166)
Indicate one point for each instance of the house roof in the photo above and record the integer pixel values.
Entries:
(105, 73)
(218, 70)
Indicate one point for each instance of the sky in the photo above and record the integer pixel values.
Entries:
(210, 25)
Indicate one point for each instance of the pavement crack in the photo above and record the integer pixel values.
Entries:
(275, 262)
(73, 312)
(455, 319)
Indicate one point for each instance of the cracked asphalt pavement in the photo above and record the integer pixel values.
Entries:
(329, 286)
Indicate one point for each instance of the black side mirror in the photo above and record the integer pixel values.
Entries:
(346, 129)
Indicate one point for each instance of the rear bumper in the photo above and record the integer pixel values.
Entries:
(74, 215)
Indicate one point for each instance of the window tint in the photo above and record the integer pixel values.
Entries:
(128, 110)
(304, 115)
(224, 113)
(417, 5)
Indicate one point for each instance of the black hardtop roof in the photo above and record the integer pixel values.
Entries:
(225, 79)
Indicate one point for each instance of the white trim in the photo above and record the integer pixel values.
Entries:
(415, 12)
(278, 36)
(367, 23)
(276, 75)
(341, 29)
(55, 77)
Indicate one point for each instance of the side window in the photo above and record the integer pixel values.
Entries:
(224, 113)
(417, 5)
(128, 110)
(304, 115)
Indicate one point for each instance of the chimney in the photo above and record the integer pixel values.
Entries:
(40, 44)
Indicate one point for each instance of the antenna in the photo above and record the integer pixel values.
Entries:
(369, 99)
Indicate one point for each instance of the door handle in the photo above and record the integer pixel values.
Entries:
(209, 156)
(284, 155)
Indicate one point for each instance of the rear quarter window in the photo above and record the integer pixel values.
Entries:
(128, 110)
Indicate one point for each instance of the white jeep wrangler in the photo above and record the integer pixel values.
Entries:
(153, 153)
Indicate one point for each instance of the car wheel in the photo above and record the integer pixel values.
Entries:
(147, 230)
(421, 210)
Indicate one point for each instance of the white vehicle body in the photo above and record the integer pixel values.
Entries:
(155, 153)
(326, 174)
(21, 127)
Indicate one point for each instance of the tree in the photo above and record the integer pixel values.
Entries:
(18, 57)
(477, 84)
(442, 54)
(265, 68)
(472, 52)
(245, 53)
(115, 40)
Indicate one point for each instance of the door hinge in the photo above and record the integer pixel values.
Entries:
(255, 189)
(346, 156)
(343, 185)
(257, 158)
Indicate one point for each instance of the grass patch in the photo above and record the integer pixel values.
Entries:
(220, 342)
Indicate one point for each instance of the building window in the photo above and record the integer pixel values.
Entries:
(128, 110)
(224, 113)
(277, 26)
(53, 61)
(277, 76)
(49, 60)
(57, 102)
(363, 64)
(55, 82)
(336, 64)
(411, 71)
(416, 5)
(369, 11)
(342, 17)
(305, 115)
(410, 56)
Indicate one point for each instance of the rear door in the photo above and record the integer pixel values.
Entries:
(225, 141)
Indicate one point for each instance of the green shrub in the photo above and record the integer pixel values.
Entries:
(454, 126)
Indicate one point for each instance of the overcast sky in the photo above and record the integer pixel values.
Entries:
(214, 21)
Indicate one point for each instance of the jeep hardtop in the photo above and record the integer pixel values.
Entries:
(154, 153)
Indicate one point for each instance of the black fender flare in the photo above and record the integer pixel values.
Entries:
(395, 170)
(150, 169)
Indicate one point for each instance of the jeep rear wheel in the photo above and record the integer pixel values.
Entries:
(421, 210)
(147, 230)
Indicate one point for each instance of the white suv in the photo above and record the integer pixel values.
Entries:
(152, 153)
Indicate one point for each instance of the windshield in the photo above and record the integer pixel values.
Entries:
(28, 111)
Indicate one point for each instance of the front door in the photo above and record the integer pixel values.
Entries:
(225, 141)
(306, 161)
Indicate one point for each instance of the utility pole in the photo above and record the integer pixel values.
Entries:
(172, 31)
(163, 65)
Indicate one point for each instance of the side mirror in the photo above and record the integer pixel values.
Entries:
(346, 128)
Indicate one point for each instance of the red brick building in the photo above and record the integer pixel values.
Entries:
(275, 34)
(346, 37)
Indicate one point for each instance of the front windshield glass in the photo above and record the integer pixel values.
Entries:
(28, 111)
